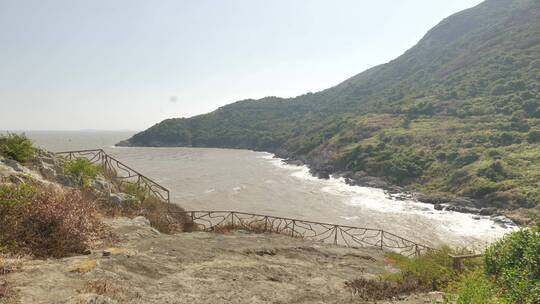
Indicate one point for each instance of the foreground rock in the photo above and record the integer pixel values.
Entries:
(149, 267)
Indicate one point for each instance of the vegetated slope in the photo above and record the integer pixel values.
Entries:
(457, 114)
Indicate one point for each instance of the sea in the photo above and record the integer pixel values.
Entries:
(258, 182)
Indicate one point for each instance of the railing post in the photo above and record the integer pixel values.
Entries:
(232, 219)
(292, 231)
(382, 239)
(335, 234)
(265, 223)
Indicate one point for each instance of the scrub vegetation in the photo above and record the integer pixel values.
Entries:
(16, 146)
(507, 272)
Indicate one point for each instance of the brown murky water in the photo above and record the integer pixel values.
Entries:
(242, 180)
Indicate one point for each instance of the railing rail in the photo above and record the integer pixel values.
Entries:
(120, 172)
(348, 236)
(343, 235)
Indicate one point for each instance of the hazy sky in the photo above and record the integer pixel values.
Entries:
(127, 64)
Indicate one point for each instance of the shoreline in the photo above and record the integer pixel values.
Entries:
(362, 179)
(398, 193)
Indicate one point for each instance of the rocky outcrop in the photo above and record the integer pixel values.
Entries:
(149, 267)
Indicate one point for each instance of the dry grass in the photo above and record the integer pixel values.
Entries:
(102, 287)
(380, 290)
(5, 292)
(50, 224)
(9, 265)
(257, 227)
(227, 228)
(111, 289)
(165, 217)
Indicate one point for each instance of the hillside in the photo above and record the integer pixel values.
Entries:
(457, 115)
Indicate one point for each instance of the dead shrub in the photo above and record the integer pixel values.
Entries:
(9, 266)
(254, 228)
(49, 224)
(380, 290)
(165, 217)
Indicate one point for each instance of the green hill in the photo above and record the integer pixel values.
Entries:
(456, 115)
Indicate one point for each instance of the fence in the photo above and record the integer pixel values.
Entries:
(120, 172)
(315, 231)
(214, 220)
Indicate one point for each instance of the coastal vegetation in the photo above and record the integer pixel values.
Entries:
(41, 219)
(507, 272)
(43, 223)
(83, 170)
(457, 115)
(16, 146)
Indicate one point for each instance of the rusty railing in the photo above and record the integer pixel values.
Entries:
(120, 172)
(315, 231)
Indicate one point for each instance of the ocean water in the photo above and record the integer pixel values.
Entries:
(242, 180)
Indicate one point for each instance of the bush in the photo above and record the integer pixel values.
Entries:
(475, 287)
(479, 187)
(17, 147)
(11, 196)
(495, 171)
(533, 136)
(407, 165)
(514, 262)
(47, 224)
(83, 170)
(430, 271)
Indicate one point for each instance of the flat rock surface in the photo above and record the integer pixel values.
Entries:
(238, 267)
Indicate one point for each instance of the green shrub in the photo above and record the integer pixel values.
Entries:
(495, 171)
(514, 261)
(533, 136)
(83, 170)
(134, 190)
(475, 288)
(431, 271)
(17, 147)
(480, 187)
(11, 196)
(407, 165)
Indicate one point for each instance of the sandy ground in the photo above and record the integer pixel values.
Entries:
(149, 267)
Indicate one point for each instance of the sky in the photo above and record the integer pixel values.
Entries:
(128, 64)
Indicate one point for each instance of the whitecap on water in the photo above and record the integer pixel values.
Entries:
(377, 200)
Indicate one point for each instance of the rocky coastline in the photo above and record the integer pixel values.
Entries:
(440, 201)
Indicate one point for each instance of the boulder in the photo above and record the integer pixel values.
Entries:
(13, 164)
(120, 198)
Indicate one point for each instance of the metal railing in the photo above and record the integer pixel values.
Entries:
(348, 236)
(120, 172)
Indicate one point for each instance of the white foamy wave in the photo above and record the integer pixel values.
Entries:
(377, 200)
(239, 188)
